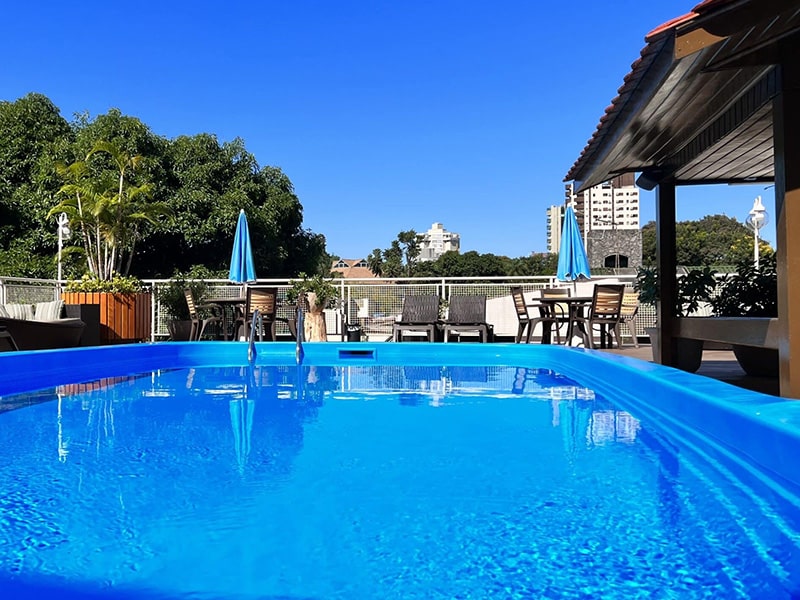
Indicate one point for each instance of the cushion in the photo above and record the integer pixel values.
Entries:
(48, 311)
(20, 311)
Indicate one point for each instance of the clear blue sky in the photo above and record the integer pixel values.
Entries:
(386, 116)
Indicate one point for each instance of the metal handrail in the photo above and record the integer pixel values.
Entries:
(300, 329)
(251, 345)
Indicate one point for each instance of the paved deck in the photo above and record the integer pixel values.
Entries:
(717, 364)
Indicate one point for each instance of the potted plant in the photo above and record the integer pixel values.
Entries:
(172, 300)
(318, 293)
(695, 289)
(751, 292)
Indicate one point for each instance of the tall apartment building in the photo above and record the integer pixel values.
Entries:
(608, 216)
(611, 205)
(555, 223)
(436, 241)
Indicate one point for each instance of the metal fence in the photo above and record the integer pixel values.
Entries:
(371, 304)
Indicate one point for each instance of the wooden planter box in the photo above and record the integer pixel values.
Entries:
(124, 318)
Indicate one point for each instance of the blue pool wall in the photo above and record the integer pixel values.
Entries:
(764, 429)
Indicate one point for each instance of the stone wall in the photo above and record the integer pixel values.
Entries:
(607, 243)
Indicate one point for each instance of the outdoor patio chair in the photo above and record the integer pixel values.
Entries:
(527, 323)
(265, 300)
(558, 311)
(196, 314)
(420, 314)
(604, 313)
(467, 314)
(628, 312)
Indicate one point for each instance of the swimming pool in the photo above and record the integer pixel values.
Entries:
(390, 470)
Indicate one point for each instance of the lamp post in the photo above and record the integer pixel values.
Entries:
(63, 234)
(756, 219)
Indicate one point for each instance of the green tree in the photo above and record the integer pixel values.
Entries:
(714, 240)
(399, 259)
(393, 260)
(209, 183)
(537, 264)
(203, 182)
(33, 136)
(409, 241)
(375, 262)
(107, 208)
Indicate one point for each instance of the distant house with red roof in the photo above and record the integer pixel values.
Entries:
(350, 268)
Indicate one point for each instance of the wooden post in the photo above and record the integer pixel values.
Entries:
(666, 258)
(786, 137)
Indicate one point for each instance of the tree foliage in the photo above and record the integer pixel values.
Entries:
(107, 208)
(400, 260)
(201, 182)
(714, 240)
(750, 292)
(33, 137)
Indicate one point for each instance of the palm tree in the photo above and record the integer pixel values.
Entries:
(106, 208)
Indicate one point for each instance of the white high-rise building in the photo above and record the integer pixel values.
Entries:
(555, 223)
(436, 241)
(612, 205)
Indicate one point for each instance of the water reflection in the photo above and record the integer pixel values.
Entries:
(609, 426)
(242, 411)
(267, 407)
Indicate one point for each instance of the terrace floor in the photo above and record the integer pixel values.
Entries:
(717, 364)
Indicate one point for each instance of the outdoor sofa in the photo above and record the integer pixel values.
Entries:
(41, 326)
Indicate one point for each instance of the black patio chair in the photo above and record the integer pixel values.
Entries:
(420, 314)
(467, 314)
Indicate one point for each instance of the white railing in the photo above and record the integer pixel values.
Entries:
(372, 304)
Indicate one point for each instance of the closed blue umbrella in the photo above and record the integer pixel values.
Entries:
(572, 261)
(243, 269)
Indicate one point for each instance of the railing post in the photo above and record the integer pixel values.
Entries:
(153, 312)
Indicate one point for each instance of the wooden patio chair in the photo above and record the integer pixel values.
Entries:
(628, 312)
(265, 300)
(196, 314)
(604, 313)
(420, 314)
(547, 317)
(559, 311)
(467, 314)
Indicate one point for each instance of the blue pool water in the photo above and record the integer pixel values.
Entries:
(377, 481)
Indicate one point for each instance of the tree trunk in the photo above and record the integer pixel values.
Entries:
(314, 329)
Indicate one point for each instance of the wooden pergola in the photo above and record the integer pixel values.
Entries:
(713, 98)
